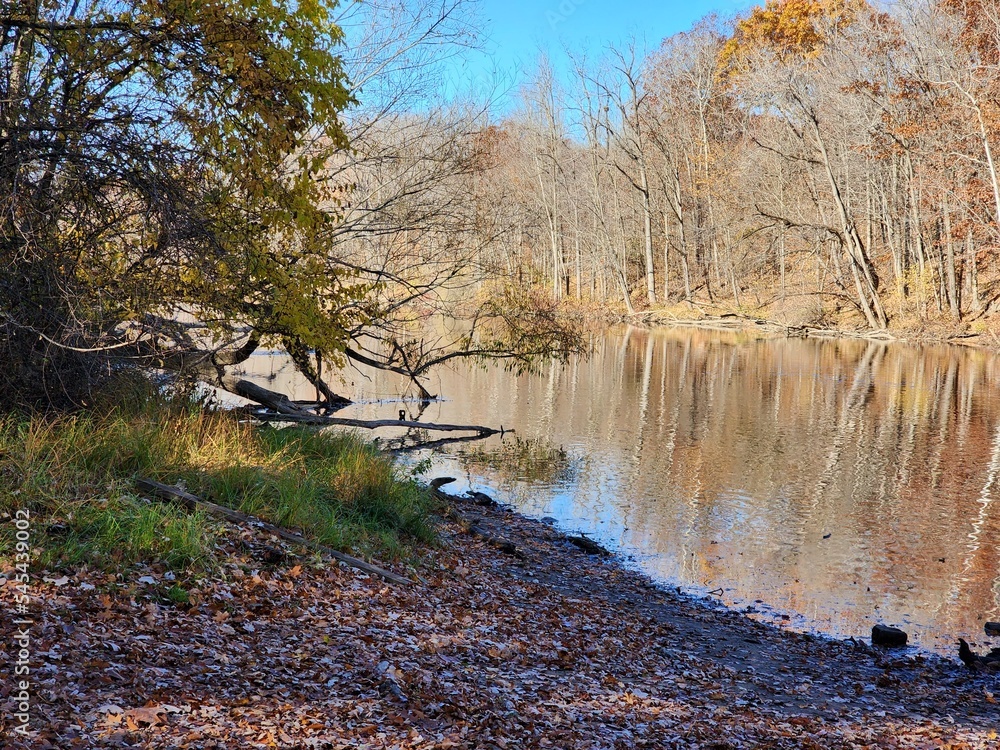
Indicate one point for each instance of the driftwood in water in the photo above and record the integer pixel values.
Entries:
(271, 399)
(280, 403)
(735, 322)
(169, 492)
(289, 411)
(426, 444)
(371, 424)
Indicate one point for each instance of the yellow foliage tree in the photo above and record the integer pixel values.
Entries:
(787, 29)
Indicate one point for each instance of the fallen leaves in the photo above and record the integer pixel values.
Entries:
(560, 650)
(151, 715)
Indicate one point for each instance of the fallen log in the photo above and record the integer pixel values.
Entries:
(271, 399)
(371, 424)
(426, 444)
(193, 502)
(291, 411)
(832, 333)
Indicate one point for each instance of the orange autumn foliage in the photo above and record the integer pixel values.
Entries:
(787, 29)
(980, 30)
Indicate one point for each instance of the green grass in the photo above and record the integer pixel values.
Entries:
(76, 475)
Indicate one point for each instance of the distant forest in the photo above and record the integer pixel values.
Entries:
(814, 158)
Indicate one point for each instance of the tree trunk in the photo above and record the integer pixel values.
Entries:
(865, 278)
(647, 226)
(971, 273)
(951, 273)
(193, 502)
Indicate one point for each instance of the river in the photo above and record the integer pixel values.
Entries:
(822, 485)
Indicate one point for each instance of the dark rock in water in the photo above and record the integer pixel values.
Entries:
(886, 635)
(481, 498)
(992, 628)
(588, 545)
(549, 520)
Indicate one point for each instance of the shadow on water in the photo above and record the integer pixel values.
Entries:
(842, 483)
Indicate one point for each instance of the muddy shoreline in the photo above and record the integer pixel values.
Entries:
(510, 637)
(763, 651)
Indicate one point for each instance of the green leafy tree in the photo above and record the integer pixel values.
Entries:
(162, 161)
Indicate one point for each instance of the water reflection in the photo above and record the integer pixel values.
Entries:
(535, 461)
(841, 482)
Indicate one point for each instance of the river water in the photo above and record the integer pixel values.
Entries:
(824, 485)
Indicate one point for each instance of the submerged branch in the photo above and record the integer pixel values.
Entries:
(318, 420)
(440, 443)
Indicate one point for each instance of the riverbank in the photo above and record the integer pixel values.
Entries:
(510, 637)
(983, 332)
(74, 475)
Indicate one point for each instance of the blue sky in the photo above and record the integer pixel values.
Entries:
(517, 29)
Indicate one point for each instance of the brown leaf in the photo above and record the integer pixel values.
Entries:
(146, 715)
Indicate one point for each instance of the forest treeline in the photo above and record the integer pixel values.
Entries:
(814, 158)
(183, 183)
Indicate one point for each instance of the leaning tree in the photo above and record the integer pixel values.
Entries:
(178, 186)
(156, 163)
